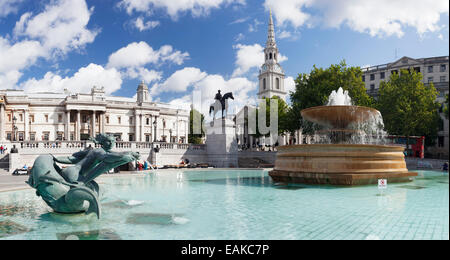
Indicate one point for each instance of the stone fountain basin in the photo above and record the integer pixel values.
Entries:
(338, 117)
(340, 164)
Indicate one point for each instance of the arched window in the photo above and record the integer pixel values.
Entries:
(270, 55)
(275, 56)
(267, 56)
(264, 83)
(278, 83)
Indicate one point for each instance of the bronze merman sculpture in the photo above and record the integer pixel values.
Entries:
(67, 190)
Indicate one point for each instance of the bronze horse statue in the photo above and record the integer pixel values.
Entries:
(222, 102)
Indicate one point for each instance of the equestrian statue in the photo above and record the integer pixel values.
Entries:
(66, 190)
(220, 102)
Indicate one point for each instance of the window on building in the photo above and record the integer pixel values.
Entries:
(46, 118)
(278, 83)
(372, 87)
(148, 138)
(430, 79)
(72, 136)
(270, 56)
(119, 119)
(9, 117)
(107, 119)
(372, 76)
(9, 136)
(32, 118)
(32, 136)
(264, 83)
(364, 78)
(417, 69)
(84, 119)
(441, 141)
(21, 136)
(59, 136)
(147, 121)
(442, 78)
(131, 120)
(430, 69)
(45, 136)
(382, 75)
(20, 117)
(443, 67)
(60, 118)
(131, 137)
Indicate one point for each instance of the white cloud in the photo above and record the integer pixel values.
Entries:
(377, 18)
(8, 6)
(81, 82)
(240, 20)
(253, 27)
(144, 26)
(144, 74)
(289, 86)
(179, 81)
(60, 27)
(140, 54)
(175, 7)
(239, 37)
(250, 56)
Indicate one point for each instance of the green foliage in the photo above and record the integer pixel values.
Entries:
(283, 119)
(195, 138)
(408, 106)
(445, 110)
(314, 89)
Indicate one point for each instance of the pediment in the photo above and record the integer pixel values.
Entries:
(404, 62)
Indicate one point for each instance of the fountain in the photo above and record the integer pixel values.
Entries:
(348, 148)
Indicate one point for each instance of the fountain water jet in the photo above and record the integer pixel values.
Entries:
(350, 150)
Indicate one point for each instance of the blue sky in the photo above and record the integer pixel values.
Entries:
(177, 46)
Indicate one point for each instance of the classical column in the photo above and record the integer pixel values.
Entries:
(93, 124)
(142, 128)
(136, 127)
(67, 127)
(2, 122)
(187, 131)
(177, 129)
(78, 126)
(26, 128)
(102, 122)
(156, 129)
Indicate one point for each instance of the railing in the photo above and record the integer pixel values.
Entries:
(119, 145)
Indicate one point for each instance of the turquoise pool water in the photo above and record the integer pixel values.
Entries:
(238, 204)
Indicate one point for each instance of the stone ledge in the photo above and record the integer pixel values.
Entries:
(348, 179)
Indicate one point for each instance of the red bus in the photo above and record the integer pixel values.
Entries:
(416, 144)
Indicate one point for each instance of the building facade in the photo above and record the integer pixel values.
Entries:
(434, 70)
(35, 117)
(271, 75)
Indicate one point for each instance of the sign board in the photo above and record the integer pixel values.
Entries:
(382, 183)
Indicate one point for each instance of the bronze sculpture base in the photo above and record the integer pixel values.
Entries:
(340, 164)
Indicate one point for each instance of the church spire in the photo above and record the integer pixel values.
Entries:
(271, 36)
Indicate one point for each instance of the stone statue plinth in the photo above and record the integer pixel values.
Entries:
(221, 143)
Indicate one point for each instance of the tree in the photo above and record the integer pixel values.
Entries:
(282, 113)
(313, 89)
(195, 138)
(408, 106)
(445, 110)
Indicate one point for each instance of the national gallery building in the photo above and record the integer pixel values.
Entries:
(37, 117)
